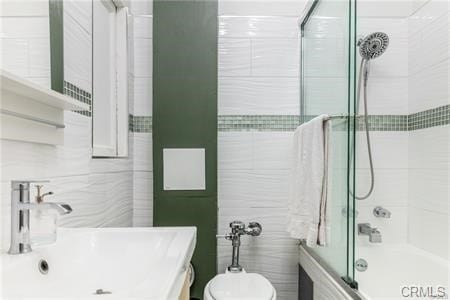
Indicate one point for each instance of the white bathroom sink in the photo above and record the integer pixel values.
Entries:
(131, 263)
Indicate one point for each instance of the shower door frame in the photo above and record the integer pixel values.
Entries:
(347, 282)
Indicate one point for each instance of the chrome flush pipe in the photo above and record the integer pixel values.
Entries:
(238, 228)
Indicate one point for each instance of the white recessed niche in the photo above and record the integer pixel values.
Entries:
(184, 169)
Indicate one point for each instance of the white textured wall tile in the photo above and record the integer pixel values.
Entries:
(389, 150)
(143, 152)
(142, 96)
(143, 58)
(428, 231)
(428, 47)
(272, 150)
(385, 8)
(275, 57)
(234, 57)
(131, 91)
(429, 87)
(143, 26)
(261, 7)
(142, 199)
(428, 148)
(429, 190)
(141, 7)
(396, 28)
(235, 150)
(416, 5)
(387, 96)
(258, 96)
(21, 8)
(325, 91)
(120, 195)
(391, 187)
(251, 189)
(27, 27)
(39, 57)
(143, 186)
(426, 14)
(258, 27)
(326, 26)
(325, 57)
(14, 54)
(22, 160)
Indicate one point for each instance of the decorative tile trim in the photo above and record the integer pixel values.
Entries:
(438, 116)
(79, 94)
(140, 123)
(384, 123)
(258, 122)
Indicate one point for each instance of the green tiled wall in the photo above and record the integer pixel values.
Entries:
(185, 116)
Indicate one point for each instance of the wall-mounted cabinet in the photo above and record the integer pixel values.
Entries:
(33, 113)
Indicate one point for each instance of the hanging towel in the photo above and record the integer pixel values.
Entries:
(309, 182)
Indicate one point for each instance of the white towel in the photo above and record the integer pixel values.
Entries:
(309, 182)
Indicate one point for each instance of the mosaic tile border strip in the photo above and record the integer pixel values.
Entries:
(438, 116)
(140, 123)
(384, 123)
(258, 122)
(79, 94)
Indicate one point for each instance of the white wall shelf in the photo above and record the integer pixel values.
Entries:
(33, 113)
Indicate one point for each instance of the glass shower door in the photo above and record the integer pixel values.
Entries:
(328, 88)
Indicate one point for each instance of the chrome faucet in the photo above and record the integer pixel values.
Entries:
(20, 214)
(373, 233)
(238, 228)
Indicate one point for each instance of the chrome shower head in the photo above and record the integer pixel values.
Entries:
(373, 45)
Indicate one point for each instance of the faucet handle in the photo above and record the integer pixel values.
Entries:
(39, 197)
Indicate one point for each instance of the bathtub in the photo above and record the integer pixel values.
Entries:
(402, 272)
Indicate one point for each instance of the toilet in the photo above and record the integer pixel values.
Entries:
(239, 286)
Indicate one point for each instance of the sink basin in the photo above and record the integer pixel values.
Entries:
(105, 263)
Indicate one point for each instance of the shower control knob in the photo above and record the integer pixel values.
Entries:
(381, 212)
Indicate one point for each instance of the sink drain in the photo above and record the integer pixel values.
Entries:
(43, 266)
(101, 292)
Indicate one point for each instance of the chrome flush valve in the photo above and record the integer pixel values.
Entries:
(238, 228)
